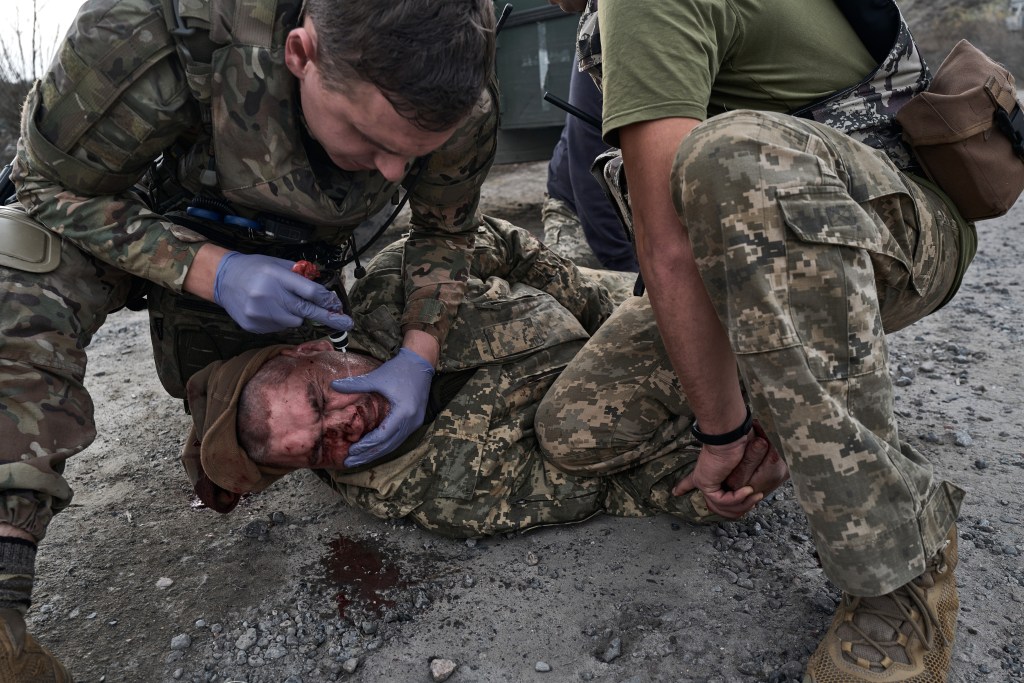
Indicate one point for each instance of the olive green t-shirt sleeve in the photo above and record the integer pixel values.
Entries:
(698, 58)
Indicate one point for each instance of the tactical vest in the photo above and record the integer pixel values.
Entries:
(257, 153)
(865, 111)
(251, 150)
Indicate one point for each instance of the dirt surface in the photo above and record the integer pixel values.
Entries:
(137, 583)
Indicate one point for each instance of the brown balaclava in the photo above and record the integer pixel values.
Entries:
(216, 464)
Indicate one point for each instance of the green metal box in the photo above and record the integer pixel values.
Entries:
(534, 54)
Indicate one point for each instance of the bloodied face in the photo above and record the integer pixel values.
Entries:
(292, 418)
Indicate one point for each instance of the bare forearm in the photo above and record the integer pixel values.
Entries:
(697, 345)
(423, 344)
(695, 340)
(202, 274)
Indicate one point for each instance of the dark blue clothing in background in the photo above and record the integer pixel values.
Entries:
(569, 179)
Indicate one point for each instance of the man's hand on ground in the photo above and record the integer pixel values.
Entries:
(762, 469)
(405, 382)
(735, 477)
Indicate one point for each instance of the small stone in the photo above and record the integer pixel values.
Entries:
(441, 669)
(470, 542)
(164, 582)
(750, 669)
(542, 667)
(612, 652)
(531, 559)
(981, 464)
(275, 652)
(350, 665)
(181, 642)
(257, 529)
(246, 640)
(962, 439)
(468, 581)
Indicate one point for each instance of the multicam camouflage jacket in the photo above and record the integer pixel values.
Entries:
(145, 95)
(865, 111)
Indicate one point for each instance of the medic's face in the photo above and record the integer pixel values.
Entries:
(359, 128)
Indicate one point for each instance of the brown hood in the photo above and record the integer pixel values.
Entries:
(216, 464)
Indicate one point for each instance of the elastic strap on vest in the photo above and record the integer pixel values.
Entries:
(97, 90)
(254, 22)
(195, 50)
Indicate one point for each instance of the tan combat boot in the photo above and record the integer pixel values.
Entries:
(22, 658)
(904, 636)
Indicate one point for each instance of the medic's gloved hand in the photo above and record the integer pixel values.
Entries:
(262, 294)
(405, 382)
(22, 659)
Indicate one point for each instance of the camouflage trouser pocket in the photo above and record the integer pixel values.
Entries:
(832, 297)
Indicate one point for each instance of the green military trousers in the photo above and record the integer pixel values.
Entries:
(811, 246)
(46, 321)
(46, 414)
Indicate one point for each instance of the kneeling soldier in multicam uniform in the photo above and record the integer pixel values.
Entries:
(474, 467)
(182, 155)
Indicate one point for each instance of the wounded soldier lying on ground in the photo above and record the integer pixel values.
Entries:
(475, 467)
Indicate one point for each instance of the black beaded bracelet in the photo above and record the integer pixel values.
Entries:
(723, 439)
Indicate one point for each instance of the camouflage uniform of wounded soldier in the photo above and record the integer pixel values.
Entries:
(189, 152)
(474, 468)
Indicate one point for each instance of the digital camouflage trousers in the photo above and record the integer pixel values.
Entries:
(812, 246)
(46, 414)
(479, 471)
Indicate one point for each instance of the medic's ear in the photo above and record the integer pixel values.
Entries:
(300, 50)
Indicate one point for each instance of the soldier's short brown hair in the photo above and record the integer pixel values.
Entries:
(430, 58)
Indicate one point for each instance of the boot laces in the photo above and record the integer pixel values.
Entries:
(879, 630)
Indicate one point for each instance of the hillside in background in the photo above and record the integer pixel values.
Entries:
(938, 24)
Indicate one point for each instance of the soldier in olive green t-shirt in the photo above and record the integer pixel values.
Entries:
(782, 228)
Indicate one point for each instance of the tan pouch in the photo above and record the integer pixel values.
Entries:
(967, 131)
(25, 244)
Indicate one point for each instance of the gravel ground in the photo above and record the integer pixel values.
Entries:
(137, 583)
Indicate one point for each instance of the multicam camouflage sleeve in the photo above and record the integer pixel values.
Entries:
(79, 157)
(445, 215)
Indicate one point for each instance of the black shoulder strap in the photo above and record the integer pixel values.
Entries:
(876, 22)
(6, 184)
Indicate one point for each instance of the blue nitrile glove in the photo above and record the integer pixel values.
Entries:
(405, 382)
(262, 294)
